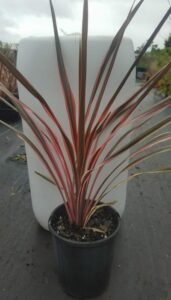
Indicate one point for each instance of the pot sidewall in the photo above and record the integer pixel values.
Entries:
(83, 268)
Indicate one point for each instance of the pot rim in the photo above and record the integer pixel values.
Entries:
(78, 243)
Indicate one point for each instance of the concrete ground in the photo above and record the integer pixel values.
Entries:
(142, 258)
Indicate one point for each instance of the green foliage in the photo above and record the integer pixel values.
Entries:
(164, 84)
(168, 42)
(153, 60)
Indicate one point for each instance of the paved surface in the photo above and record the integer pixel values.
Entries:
(142, 263)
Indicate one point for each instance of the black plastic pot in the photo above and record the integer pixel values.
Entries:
(83, 268)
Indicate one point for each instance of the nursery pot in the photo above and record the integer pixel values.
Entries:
(83, 268)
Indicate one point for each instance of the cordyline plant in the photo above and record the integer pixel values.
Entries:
(75, 171)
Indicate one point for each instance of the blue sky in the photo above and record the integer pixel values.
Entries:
(21, 18)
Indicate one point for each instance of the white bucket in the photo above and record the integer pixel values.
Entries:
(37, 61)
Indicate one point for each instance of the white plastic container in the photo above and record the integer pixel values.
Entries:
(37, 61)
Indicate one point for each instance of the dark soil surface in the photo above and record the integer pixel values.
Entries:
(101, 225)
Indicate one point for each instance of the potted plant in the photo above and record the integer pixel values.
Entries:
(83, 227)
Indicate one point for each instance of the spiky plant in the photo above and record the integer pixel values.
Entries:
(75, 171)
